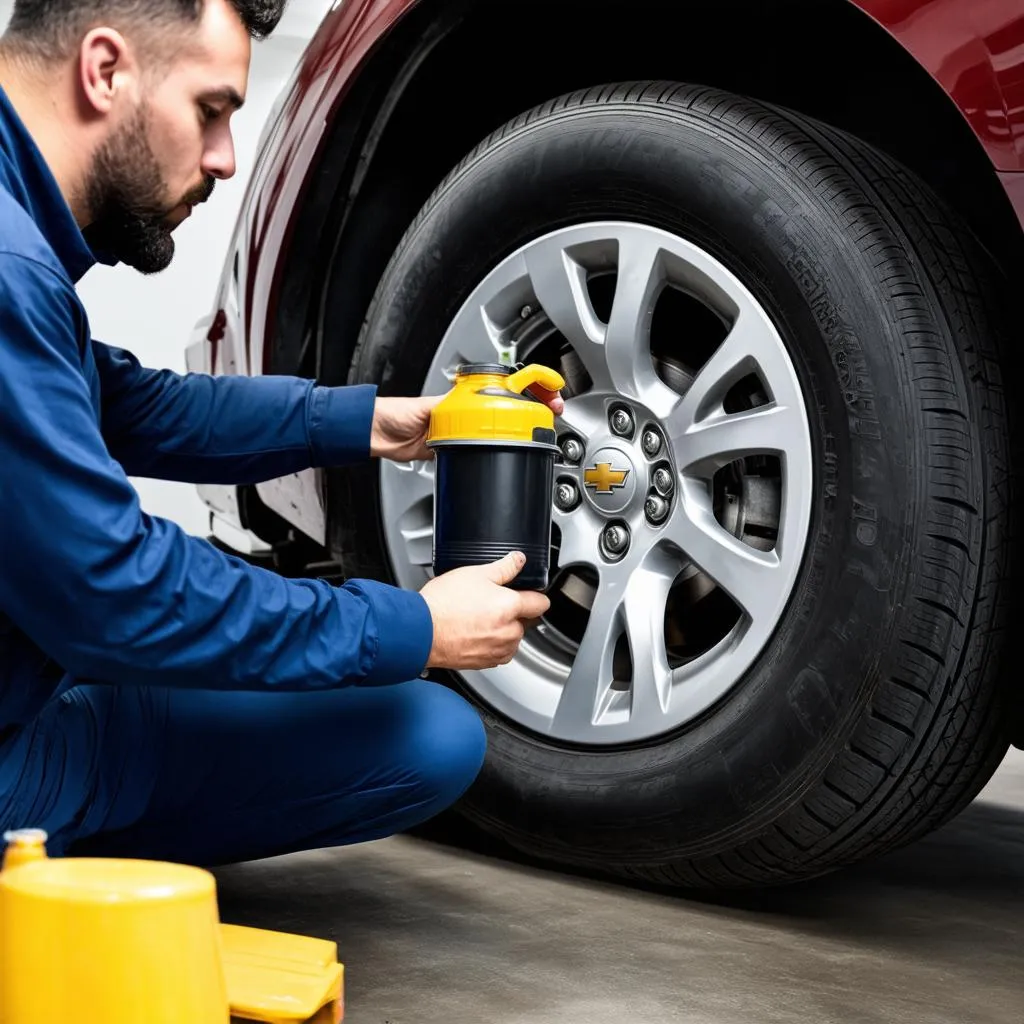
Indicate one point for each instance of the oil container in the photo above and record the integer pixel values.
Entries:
(494, 449)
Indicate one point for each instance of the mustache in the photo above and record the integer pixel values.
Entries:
(201, 192)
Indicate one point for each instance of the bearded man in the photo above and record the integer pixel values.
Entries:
(159, 698)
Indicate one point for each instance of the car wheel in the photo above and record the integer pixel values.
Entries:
(781, 554)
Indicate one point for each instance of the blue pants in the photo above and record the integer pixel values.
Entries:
(212, 778)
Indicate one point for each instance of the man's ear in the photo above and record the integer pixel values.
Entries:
(107, 70)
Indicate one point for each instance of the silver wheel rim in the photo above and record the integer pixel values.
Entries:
(690, 536)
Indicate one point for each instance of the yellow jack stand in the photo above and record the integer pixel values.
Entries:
(123, 941)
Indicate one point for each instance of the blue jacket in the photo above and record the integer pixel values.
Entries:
(93, 588)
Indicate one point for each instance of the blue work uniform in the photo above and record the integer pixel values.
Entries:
(158, 697)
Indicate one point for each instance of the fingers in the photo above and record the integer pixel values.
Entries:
(516, 632)
(479, 621)
(532, 604)
(552, 399)
(506, 569)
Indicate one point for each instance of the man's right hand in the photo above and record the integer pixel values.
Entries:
(478, 621)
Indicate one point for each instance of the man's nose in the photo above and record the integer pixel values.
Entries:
(219, 158)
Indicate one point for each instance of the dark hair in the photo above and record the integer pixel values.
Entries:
(49, 28)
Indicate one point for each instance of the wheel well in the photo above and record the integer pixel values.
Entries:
(489, 61)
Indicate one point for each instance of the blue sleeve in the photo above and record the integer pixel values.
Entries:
(226, 430)
(113, 594)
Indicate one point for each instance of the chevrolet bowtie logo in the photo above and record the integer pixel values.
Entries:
(603, 478)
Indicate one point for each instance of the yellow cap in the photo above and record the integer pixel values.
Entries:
(487, 405)
(120, 941)
(23, 846)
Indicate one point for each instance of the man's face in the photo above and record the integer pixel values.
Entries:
(163, 155)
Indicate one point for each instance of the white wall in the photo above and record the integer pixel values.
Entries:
(153, 316)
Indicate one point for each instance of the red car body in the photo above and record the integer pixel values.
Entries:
(972, 49)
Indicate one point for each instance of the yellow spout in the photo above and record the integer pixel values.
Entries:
(24, 845)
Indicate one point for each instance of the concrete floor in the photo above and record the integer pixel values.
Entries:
(431, 934)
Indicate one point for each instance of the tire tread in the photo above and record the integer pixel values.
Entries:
(899, 795)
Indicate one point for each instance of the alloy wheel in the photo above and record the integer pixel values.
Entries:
(683, 495)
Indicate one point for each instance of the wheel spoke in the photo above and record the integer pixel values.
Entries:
(560, 285)
(583, 415)
(617, 356)
(631, 599)
(627, 347)
(579, 531)
(752, 578)
(722, 438)
(748, 348)
(644, 613)
(412, 523)
(587, 688)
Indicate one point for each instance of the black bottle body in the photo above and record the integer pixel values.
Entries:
(490, 499)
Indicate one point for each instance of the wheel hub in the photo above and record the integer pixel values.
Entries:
(625, 475)
(610, 480)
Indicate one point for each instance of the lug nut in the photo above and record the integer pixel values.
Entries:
(651, 443)
(656, 508)
(663, 482)
(615, 539)
(572, 450)
(622, 422)
(566, 496)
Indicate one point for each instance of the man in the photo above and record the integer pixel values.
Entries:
(159, 698)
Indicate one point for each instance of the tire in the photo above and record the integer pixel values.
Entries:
(877, 708)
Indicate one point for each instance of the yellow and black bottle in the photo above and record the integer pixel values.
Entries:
(494, 449)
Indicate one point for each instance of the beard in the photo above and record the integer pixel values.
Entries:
(127, 198)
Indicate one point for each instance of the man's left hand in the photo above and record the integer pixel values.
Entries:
(400, 425)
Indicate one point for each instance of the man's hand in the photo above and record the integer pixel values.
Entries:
(478, 621)
(400, 425)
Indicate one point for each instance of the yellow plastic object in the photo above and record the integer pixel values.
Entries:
(125, 941)
(486, 404)
(277, 978)
(547, 378)
(23, 846)
(119, 941)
